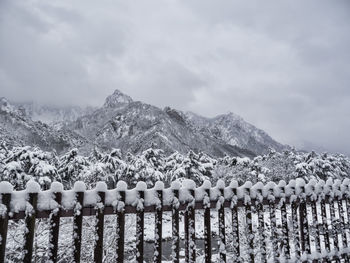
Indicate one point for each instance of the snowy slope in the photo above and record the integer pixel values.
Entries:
(234, 130)
(53, 115)
(16, 128)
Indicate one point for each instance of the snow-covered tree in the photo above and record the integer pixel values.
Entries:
(197, 167)
(24, 163)
(147, 167)
(174, 167)
(106, 167)
(71, 167)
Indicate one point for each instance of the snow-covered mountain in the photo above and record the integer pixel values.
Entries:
(17, 128)
(234, 130)
(53, 115)
(135, 126)
(132, 126)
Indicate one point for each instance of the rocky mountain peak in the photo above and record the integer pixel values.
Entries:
(117, 99)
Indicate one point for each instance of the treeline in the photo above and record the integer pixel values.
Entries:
(20, 164)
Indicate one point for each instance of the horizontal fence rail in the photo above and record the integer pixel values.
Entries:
(279, 222)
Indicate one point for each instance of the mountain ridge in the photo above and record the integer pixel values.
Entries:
(134, 126)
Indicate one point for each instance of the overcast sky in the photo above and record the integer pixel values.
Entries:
(282, 65)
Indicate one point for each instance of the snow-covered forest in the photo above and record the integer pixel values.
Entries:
(20, 164)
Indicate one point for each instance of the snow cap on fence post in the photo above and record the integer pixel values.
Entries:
(6, 188)
(56, 187)
(280, 189)
(259, 186)
(336, 187)
(310, 187)
(122, 186)
(141, 186)
(201, 192)
(189, 184)
(234, 184)
(328, 187)
(345, 186)
(220, 184)
(282, 184)
(242, 190)
(159, 185)
(290, 188)
(206, 184)
(175, 185)
(319, 187)
(268, 189)
(101, 187)
(32, 187)
(346, 182)
(247, 185)
(299, 185)
(79, 186)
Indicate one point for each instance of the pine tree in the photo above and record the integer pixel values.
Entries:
(71, 167)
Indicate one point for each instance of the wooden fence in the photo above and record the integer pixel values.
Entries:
(313, 218)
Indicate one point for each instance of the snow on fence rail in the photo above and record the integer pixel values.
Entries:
(301, 221)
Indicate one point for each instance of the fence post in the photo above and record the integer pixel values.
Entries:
(341, 224)
(261, 224)
(32, 189)
(221, 216)
(54, 221)
(285, 230)
(346, 185)
(159, 187)
(235, 223)
(304, 226)
(190, 231)
(101, 189)
(325, 224)
(294, 200)
(334, 221)
(6, 190)
(249, 220)
(315, 225)
(175, 248)
(120, 228)
(207, 224)
(343, 201)
(140, 188)
(272, 214)
(79, 189)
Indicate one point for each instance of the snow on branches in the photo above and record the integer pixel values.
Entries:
(21, 164)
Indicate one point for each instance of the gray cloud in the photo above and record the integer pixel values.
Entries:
(282, 65)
